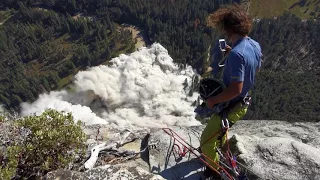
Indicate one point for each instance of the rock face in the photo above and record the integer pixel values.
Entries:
(270, 149)
(112, 164)
(279, 150)
(124, 141)
(104, 172)
(165, 159)
(280, 158)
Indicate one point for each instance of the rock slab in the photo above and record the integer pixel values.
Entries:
(104, 172)
(164, 159)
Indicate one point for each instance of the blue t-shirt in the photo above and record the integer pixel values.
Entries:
(242, 63)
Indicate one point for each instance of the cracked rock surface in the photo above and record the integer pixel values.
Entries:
(270, 149)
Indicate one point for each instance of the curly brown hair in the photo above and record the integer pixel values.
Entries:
(231, 19)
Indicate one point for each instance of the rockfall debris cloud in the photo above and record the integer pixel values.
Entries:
(143, 89)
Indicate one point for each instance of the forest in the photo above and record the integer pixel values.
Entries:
(44, 42)
(41, 49)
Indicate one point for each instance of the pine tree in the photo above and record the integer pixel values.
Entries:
(73, 5)
(16, 99)
(45, 83)
(4, 100)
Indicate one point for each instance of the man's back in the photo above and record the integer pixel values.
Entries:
(242, 64)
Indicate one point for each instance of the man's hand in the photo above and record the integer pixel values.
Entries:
(210, 103)
(228, 49)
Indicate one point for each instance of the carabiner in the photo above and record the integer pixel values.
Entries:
(225, 124)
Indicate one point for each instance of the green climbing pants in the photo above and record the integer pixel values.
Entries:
(213, 126)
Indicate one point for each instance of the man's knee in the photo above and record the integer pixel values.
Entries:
(210, 142)
(210, 133)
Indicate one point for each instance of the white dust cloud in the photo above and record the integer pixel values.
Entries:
(144, 89)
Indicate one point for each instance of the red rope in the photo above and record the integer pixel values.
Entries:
(233, 163)
(191, 148)
(180, 152)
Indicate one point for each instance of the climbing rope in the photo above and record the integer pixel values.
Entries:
(189, 148)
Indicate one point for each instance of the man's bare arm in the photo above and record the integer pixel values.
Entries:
(229, 93)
